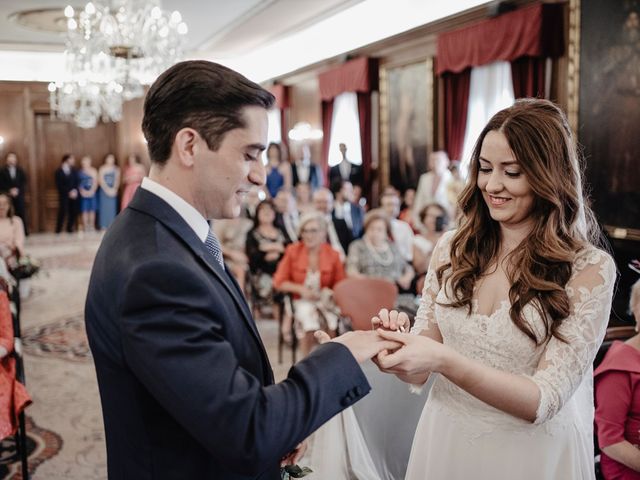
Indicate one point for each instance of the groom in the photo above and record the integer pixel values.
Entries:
(186, 387)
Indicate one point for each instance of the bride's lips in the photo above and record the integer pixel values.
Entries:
(497, 201)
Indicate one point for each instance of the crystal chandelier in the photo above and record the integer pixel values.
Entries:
(113, 48)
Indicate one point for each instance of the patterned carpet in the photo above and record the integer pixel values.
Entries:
(65, 430)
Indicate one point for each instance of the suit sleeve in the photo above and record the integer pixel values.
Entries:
(173, 329)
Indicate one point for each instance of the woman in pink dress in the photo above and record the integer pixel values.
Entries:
(617, 391)
(133, 175)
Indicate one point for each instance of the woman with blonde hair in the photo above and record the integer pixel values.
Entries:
(515, 305)
(309, 270)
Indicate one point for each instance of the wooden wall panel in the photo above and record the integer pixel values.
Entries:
(306, 106)
(40, 142)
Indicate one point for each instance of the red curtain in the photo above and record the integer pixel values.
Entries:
(361, 76)
(358, 75)
(456, 102)
(534, 31)
(528, 75)
(281, 92)
(327, 117)
(364, 112)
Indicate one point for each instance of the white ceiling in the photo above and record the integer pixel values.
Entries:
(222, 28)
(261, 38)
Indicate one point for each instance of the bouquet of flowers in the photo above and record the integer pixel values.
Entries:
(294, 471)
(25, 267)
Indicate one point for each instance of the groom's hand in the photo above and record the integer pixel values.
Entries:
(391, 320)
(295, 456)
(362, 344)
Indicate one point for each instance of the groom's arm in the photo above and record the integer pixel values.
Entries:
(174, 342)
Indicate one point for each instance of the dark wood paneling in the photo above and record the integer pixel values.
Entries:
(40, 143)
(55, 138)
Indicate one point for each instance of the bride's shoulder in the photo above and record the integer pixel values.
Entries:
(594, 259)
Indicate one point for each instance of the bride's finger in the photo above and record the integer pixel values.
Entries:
(375, 323)
(383, 315)
(393, 320)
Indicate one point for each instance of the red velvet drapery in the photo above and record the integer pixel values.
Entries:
(534, 31)
(327, 117)
(361, 76)
(528, 75)
(456, 102)
(524, 37)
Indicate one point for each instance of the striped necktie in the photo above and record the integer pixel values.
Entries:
(214, 248)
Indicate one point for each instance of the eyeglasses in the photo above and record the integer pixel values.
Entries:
(309, 230)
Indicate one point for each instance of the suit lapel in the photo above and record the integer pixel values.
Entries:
(146, 202)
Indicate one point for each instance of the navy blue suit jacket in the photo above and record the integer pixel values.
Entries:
(186, 387)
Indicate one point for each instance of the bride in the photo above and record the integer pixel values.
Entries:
(515, 305)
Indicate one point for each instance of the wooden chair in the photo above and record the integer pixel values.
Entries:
(362, 298)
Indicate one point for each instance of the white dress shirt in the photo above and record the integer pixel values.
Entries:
(188, 213)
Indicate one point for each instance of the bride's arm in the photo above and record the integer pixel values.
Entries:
(538, 397)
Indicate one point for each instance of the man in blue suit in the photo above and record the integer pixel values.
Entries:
(186, 387)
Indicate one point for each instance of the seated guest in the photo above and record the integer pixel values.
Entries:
(13, 398)
(433, 223)
(345, 208)
(401, 231)
(286, 215)
(375, 255)
(232, 234)
(339, 234)
(11, 232)
(309, 270)
(617, 394)
(406, 208)
(265, 247)
(303, 198)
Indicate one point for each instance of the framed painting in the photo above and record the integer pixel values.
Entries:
(604, 50)
(609, 109)
(406, 123)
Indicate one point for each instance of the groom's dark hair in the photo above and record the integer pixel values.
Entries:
(202, 95)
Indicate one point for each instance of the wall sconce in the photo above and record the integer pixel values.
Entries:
(1, 143)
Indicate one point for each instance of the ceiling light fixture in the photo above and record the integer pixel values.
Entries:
(113, 49)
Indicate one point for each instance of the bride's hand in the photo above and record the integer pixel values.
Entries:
(418, 356)
(391, 321)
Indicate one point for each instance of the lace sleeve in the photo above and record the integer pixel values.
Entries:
(564, 365)
(425, 317)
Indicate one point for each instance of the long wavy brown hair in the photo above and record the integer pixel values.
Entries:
(542, 142)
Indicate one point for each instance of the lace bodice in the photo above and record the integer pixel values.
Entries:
(557, 368)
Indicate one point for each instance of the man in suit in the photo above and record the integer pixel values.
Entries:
(13, 180)
(339, 234)
(186, 387)
(346, 170)
(346, 208)
(67, 185)
(304, 170)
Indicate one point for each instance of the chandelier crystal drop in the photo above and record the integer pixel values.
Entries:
(113, 49)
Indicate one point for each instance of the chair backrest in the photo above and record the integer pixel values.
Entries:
(362, 298)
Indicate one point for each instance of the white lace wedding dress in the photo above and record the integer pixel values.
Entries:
(460, 437)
